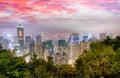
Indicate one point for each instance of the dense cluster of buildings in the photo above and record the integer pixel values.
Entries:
(64, 51)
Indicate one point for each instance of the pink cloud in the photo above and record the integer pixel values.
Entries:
(53, 7)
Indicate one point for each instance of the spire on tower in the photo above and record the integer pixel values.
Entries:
(20, 23)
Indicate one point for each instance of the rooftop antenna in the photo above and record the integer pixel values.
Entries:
(19, 23)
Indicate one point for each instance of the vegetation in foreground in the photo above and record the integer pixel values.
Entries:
(101, 61)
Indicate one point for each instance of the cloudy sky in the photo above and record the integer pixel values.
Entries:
(85, 16)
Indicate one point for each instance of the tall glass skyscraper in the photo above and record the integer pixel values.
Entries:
(20, 35)
(74, 38)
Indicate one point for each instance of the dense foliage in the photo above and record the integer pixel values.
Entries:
(102, 60)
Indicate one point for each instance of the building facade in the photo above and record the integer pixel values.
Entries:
(20, 35)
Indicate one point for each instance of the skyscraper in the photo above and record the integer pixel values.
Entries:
(27, 39)
(32, 47)
(74, 38)
(27, 42)
(6, 44)
(20, 35)
(1, 40)
(85, 38)
(38, 39)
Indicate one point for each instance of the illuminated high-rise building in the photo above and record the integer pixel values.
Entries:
(38, 46)
(38, 39)
(74, 38)
(27, 39)
(32, 47)
(85, 38)
(6, 44)
(27, 42)
(20, 35)
(1, 40)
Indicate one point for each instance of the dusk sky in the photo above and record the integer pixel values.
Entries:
(86, 16)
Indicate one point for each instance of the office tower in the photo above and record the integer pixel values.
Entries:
(62, 43)
(27, 39)
(38, 47)
(20, 35)
(17, 50)
(32, 47)
(16, 47)
(80, 48)
(46, 53)
(62, 46)
(85, 38)
(61, 57)
(15, 40)
(38, 39)
(103, 36)
(1, 40)
(74, 38)
(50, 47)
(39, 50)
(27, 42)
(5, 44)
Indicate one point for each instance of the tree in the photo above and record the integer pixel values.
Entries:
(5, 57)
(17, 68)
(99, 61)
(66, 71)
(38, 68)
(12, 67)
(115, 43)
(108, 41)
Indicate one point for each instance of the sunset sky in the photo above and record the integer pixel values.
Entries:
(87, 16)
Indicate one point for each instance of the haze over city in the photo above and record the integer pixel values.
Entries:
(59, 38)
(84, 16)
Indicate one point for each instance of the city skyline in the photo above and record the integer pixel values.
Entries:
(86, 16)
